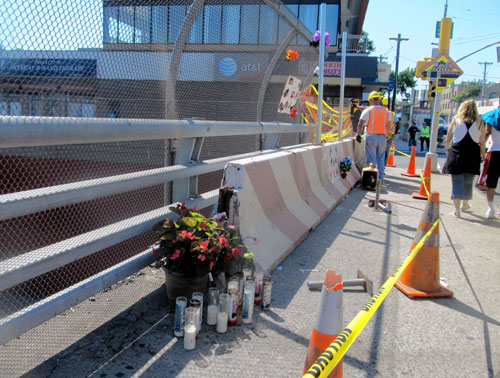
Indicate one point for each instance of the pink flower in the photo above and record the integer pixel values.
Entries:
(176, 254)
(202, 257)
(229, 256)
(237, 252)
(204, 246)
(211, 264)
(223, 242)
(231, 226)
(203, 225)
(186, 234)
(212, 248)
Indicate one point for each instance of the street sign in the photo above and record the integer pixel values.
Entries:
(391, 85)
(443, 70)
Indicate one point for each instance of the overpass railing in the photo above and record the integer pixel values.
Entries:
(59, 220)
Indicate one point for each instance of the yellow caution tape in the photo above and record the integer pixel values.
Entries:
(426, 179)
(402, 153)
(332, 355)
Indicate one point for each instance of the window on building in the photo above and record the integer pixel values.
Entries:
(331, 26)
(284, 27)
(142, 29)
(213, 24)
(126, 25)
(176, 16)
(308, 14)
(110, 25)
(268, 26)
(196, 33)
(249, 24)
(231, 24)
(159, 24)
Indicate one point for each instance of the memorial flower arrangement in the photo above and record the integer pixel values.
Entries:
(345, 165)
(291, 55)
(195, 245)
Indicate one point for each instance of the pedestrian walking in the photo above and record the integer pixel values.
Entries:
(412, 132)
(465, 150)
(376, 119)
(492, 120)
(425, 134)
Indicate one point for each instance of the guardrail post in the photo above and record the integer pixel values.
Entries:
(187, 151)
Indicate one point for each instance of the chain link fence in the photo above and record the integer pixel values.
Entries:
(145, 60)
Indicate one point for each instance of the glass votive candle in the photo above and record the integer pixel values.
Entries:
(222, 315)
(180, 306)
(195, 303)
(199, 295)
(213, 305)
(191, 319)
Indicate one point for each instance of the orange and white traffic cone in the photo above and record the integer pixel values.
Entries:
(411, 165)
(329, 323)
(481, 182)
(421, 278)
(390, 159)
(425, 185)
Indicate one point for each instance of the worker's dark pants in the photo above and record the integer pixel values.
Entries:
(422, 141)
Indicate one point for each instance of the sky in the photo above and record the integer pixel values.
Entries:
(476, 25)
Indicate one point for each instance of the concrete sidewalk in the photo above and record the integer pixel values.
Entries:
(456, 337)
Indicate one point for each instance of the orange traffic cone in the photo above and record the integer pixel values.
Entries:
(426, 182)
(421, 278)
(481, 182)
(411, 166)
(329, 323)
(390, 159)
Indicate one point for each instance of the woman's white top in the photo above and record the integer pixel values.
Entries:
(461, 131)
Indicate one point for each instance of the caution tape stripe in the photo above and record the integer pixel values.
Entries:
(332, 355)
(402, 153)
(424, 179)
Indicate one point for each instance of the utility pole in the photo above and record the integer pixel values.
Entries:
(381, 58)
(484, 80)
(399, 39)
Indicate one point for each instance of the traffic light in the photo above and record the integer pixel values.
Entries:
(431, 93)
(420, 65)
(445, 34)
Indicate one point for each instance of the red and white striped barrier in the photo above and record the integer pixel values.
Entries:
(280, 197)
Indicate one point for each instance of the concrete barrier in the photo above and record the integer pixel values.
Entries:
(280, 197)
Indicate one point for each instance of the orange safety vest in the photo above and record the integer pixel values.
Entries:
(377, 123)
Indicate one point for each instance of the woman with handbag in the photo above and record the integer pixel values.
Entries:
(465, 150)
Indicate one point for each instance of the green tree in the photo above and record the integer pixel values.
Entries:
(471, 90)
(406, 79)
(366, 43)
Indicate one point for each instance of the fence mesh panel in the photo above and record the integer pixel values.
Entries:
(125, 59)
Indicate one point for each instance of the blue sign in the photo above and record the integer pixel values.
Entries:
(49, 67)
(391, 85)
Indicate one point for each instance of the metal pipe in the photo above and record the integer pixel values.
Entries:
(319, 113)
(342, 84)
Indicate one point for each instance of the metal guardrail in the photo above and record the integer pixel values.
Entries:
(17, 132)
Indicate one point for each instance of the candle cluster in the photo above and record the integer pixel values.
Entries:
(243, 291)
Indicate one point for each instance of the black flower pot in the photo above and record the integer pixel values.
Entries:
(179, 285)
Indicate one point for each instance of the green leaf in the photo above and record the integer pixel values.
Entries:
(190, 222)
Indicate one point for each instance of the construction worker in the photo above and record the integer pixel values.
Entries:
(425, 134)
(376, 119)
(393, 130)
